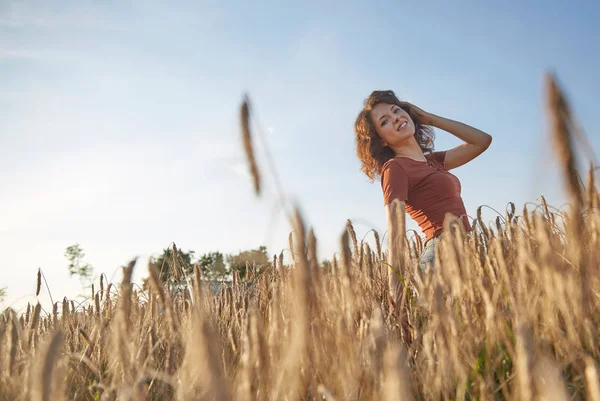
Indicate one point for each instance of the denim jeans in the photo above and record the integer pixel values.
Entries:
(427, 257)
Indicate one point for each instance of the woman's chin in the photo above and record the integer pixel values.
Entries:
(402, 137)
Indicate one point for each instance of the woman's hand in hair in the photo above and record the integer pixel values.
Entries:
(424, 117)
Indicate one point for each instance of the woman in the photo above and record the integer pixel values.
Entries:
(394, 141)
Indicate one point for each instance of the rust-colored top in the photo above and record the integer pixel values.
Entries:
(428, 189)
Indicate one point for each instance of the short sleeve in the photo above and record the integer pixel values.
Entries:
(439, 157)
(394, 183)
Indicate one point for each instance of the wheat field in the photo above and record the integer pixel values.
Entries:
(509, 312)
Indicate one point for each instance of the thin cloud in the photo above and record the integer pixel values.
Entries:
(19, 54)
(37, 55)
(78, 19)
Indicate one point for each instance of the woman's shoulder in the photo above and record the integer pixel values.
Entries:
(387, 164)
(438, 156)
(390, 169)
(392, 164)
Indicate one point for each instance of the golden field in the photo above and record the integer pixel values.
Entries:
(510, 312)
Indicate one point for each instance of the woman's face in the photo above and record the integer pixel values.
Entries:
(392, 123)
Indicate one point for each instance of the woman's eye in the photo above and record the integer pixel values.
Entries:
(396, 111)
(384, 122)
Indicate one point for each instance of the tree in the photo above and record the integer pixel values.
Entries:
(77, 267)
(257, 257)
(327, 265)
(173, 263)
(213, 266)
(2, 293)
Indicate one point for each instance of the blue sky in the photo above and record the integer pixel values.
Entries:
(119, 119)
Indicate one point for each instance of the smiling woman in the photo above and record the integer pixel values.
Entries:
(372, 152)
(394, 141)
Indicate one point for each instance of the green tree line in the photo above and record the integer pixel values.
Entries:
(214, 265)
(173, 263)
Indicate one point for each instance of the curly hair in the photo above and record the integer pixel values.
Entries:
(369, 148)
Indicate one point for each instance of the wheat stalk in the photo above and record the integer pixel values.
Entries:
(49, 361)
(247, 142)
(561, 126)
(38, 285)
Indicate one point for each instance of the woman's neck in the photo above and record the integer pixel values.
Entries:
(411, 149)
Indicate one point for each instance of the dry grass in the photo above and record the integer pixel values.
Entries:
(510, 313)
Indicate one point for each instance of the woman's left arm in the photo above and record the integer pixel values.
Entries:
(476, 141)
